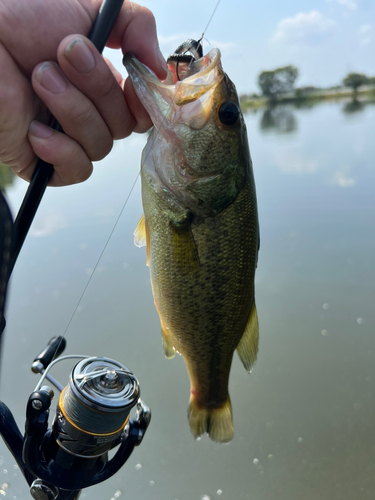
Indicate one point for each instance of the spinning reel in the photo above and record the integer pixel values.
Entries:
(92, 418)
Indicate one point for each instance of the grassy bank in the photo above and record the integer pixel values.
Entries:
(309, 98)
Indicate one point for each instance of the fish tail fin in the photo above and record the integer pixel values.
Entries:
(217, 422)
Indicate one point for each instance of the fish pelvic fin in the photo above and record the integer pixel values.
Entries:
(142, 237)
(217, 422)
(169, 350)
(247, 348)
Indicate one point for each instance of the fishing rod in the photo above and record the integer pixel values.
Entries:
(93, 412)
(98, 35)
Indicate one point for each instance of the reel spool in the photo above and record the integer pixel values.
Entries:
(94, 407)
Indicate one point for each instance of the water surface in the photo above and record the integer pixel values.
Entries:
(304, 419)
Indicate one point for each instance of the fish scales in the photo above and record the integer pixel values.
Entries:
(211, 304)
(202, 236)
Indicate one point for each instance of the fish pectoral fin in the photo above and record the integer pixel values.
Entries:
(184, 247)
(142, 237)
(140, 233)
(247, 348)
(169, 350)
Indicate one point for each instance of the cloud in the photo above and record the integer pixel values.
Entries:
(291, 162)
(48, 224)
(349, 4)
(342, 179)
(365, 33)
(304, 28)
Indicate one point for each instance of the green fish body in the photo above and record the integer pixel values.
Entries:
(200, 227)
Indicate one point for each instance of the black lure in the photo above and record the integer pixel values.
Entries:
(180, 55)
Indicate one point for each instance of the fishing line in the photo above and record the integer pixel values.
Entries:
(95, 267)
(209, 21)
(101, 255)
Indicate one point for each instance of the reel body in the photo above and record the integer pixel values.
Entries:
(92, 418)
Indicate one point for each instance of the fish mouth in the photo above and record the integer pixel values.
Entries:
(185, 96)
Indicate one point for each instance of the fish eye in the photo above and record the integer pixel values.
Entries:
(229, 113)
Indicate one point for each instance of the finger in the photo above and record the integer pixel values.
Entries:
(18, 106)
(77, 115)
(70, 162)
(87, 71)
(115, 73)
(143, 120)
(135, 31)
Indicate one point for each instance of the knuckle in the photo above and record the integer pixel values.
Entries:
(103, 149)
(84, 173)
(81, 115)
(75, 170)
(148, 15)
(106, 87)
(12, 103)
(7, 94)
(123, 132)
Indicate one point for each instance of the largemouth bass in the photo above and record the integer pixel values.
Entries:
(200, 228)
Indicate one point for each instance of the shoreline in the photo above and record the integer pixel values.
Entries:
(313, 97)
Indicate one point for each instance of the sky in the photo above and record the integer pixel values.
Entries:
(324, 39)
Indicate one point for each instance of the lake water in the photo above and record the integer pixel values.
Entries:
(304, 419)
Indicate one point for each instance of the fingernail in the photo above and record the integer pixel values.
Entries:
(40, 130)
(160, 58)
(51, 78)
(80, 56)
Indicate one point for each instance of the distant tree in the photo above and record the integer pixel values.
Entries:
(279, 81)
(355, 80)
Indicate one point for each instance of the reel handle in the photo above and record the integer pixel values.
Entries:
(53, 349)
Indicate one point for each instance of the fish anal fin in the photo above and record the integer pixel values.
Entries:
(142, 237)
(247, 348)
(217, 422)
(169, 350)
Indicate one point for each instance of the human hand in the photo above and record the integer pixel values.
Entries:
(47, 66)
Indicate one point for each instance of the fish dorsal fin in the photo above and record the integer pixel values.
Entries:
(247, 348)
(142, 237)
